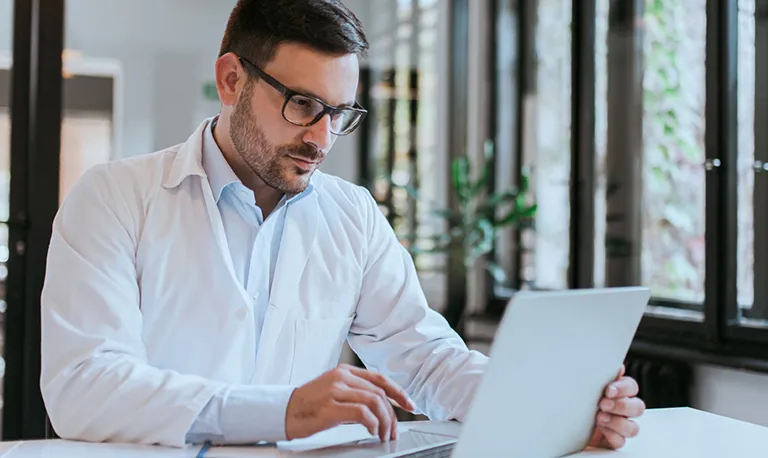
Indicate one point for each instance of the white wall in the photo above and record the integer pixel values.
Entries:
(167, 50)
(6, 21)
(737, 394)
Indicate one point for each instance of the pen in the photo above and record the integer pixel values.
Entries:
(203, 449)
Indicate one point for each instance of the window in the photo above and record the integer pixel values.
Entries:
(752, 266)
(531, 109)
(673, 150)
(406, 96)
(546, 148)
(651, 184)
(678, 165)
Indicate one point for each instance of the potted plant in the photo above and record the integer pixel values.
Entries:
(475, 223)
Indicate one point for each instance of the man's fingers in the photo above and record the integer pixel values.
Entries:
(390, 388)
(611, 440)
(622, 371)
(362, 384)
(619, 425)
(622, 388)
(393, 429)
(375, 403)
(627, 407)
(357, 413)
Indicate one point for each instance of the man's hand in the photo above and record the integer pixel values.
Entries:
(346, 394)
(619, 405)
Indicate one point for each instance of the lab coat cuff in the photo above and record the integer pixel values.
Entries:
(252, 414)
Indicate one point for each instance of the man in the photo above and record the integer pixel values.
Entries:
(204, 292)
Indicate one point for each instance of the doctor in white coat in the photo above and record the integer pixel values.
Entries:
(204, 292)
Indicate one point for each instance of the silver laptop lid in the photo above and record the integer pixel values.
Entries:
(552, 355)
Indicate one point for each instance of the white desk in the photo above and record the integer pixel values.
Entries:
(689, 433)
(678, 433)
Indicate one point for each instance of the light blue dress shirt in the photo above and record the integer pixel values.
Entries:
(230, 417)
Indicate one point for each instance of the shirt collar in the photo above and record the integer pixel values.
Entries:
(220, 174)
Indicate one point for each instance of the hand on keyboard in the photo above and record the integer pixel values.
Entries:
(346, 394)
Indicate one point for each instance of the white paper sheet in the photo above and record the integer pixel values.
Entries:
(342, 434)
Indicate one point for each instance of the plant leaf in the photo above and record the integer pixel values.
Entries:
(496, 200)
(525, 181)
(520, 214)
(497, 272)
(512, 217)
(420, 250)
(410, 190)
(530, 211)
(446, 214)
(460, 177)
(482, 183)
(481, 241)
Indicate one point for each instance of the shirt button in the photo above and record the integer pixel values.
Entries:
(255, 295)
(242, 313)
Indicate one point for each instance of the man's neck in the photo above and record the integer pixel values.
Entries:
(266, 197)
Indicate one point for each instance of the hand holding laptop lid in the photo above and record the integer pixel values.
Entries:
(617, 408)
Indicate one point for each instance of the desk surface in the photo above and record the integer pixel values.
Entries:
(678, 433)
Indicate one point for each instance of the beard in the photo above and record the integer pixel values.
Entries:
(270, 163)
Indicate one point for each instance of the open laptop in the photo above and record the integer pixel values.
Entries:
(551, 358)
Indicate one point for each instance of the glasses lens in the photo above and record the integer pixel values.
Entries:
(345, 121)
(302, 110)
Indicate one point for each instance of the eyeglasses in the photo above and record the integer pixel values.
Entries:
(304, 110)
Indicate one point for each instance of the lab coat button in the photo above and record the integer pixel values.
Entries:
(242, 313)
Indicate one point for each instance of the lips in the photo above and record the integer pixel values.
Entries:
(303, 164)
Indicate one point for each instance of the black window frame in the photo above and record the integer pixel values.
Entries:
(36, 111)
(720, 338)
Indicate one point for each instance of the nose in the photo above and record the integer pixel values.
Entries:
(319, 134)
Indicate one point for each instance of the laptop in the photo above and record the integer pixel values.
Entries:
(551, 358)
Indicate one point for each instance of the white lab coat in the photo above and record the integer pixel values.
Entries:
(143, 318)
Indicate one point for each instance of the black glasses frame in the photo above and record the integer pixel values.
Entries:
(288, 93)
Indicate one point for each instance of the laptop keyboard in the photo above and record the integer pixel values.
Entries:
(443, 451)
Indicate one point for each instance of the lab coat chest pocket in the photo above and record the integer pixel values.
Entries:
(318, 345)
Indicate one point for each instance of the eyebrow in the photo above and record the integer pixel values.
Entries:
(310, 93)
(294, 89)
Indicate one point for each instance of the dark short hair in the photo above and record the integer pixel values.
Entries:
(257, 27)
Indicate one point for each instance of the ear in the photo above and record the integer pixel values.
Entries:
(230, 78)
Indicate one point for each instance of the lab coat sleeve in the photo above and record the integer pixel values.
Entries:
(396, 333)
(95, 380)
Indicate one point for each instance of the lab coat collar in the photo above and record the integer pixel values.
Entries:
(189, 162)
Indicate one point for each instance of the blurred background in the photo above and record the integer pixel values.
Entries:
(513, 144)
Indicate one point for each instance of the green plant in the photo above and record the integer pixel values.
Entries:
(478, 217)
